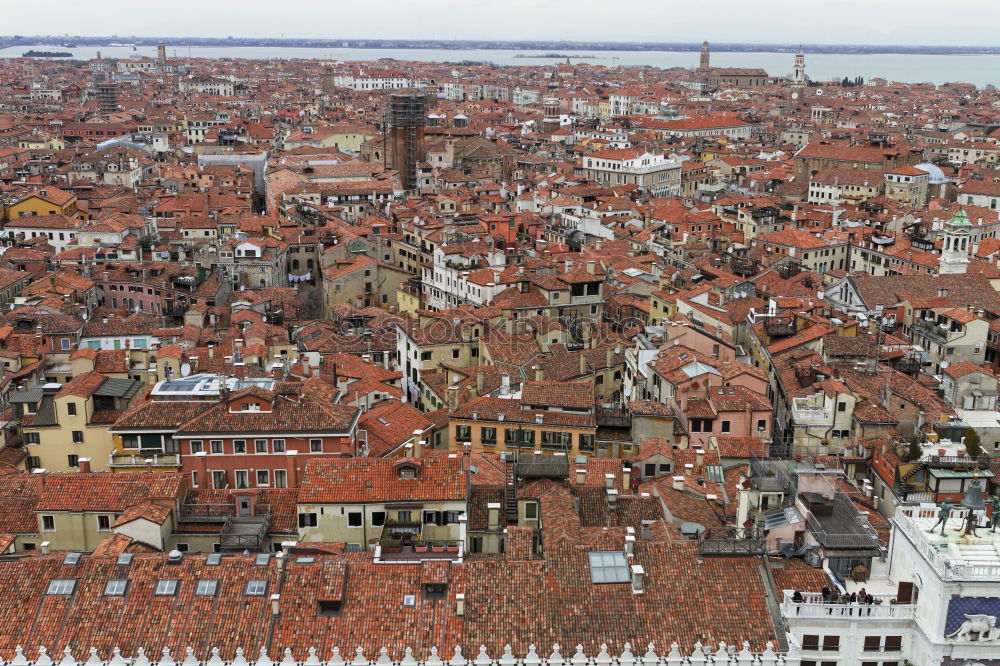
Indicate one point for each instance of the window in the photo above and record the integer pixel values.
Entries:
(893, 643)
(872, 643)
(278, 445)
(260, 445)
(103, 523)
(32, 438)
(316, 446)
(77, 436)
(354, 519)
(586, 443)
(263, 477)
(61, 586)
(378, 518)
(256, 587)
(219, 479)
(454, 353)
(425, 356)
(488, 435)
(531, 510)
(810, 642)
(242, 478)
(116, 587)
(206, 587)
(463, 433)
(432, 517)
(841, 406)
(64, 344)
(403, 516)
(73, 460)
(216, 445)
(239, 446)
(48, 523)
(435, 590)
(725, 427)
(166, 587)
(608, 567)
(196, 446)
(761, 425)
(307, 520)
(71, 408)
(280, 478)
(831, 643)
(328, 607)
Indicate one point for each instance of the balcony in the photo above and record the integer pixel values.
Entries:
(440, 549)
(174, 310)
(810, 415)
(138, 460)
(931, 329)
(614, 417)
(813, 607)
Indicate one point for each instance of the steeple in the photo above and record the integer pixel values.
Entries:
(799, 70)
(705, 55)
(955, 251)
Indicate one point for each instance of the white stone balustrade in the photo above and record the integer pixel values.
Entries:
(702, 655)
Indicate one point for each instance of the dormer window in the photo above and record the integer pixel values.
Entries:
(406, 470)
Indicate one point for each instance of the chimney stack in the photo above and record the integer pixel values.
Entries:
(240, 368)
(626, 478)
(452, 398)
(699, 457)
(460, 604)
(581, 477)
(647, 530)
(480, 379)
(609, 481)
(505, 383)
(408, 450)
(590, 267)
(609, 357)
(688, 469)
(493, 512)
(637, 578)
(583, 363)
(539, 373)
(149, 465)
(678, 483)
(45, 548)
(418, 443)
(83, 464)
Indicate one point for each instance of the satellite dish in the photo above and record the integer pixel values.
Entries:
(729, 250)
(185, 369)
(944, 364)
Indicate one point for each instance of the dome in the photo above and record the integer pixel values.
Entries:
(937, 176)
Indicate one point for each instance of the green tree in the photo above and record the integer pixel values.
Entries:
(973, 448)
(913, 449)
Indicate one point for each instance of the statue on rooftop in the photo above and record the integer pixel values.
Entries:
(995, 513)
(943, 514)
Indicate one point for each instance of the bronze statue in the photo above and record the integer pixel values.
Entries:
(995, 514)
(943, 514)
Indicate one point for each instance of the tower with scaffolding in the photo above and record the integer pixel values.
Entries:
(407, 117)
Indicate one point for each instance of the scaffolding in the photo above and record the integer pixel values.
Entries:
(407, 118)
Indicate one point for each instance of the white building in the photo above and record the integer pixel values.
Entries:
(938, 600)
(462, 273)
(656, 174)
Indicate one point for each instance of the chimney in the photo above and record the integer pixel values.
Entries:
(460, 604)
(452, 398)
(581, 477)
(637, 576)
(505, 383)
(609, 481)
(626, 478)
(539, 373)
(480, 378)
(275, 609)
(590, 267)
(678, 483)
(149, 465)
(647, 530)
(418, 444)
(240, 369)
(493, 512)
(408, 450)
(583, 363)
(509, 325)
(629, 545)
(45, 548)
(688, 469)
(279, 560)
(609, 357)
(83, 464)
(291, 460)
(612, 497)
(211, 352)
(699, 457)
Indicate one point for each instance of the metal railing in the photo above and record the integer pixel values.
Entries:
(944, 562)
(207, 513)
(813, 606)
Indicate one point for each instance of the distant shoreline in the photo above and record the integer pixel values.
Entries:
(541, 47)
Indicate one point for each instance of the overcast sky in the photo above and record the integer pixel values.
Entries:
(931, 22)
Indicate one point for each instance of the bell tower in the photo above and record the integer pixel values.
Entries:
(799, 70)
(955, 251)
(705, 56)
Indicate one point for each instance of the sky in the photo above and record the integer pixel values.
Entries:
(909, 22)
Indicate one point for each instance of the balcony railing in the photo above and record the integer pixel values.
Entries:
(139, 459)
(932, 330)
(806, 414)
(207, 513)
(944, 563)
(812, 606)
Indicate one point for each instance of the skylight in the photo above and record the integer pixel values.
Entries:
(125, 559)
(608, 567)
(262, 559)
(115, 587)
(166, 587)
(206, 587)
(213, 559)
(256, 587)
(71, 559)
(61, 586)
